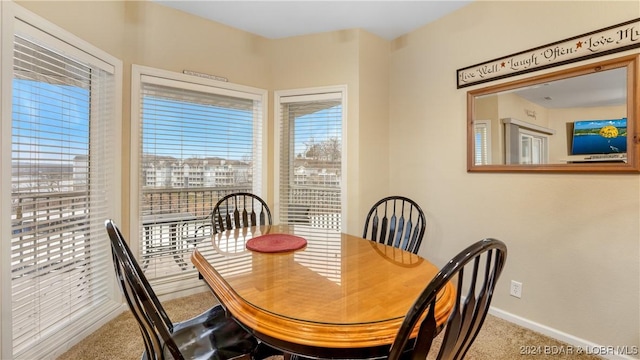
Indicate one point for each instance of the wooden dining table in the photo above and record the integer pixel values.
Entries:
(340, 296)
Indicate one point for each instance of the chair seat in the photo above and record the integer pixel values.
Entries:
(212, 335)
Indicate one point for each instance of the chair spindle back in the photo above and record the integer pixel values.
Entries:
(475, 272)
(239, 210)
(396, 221)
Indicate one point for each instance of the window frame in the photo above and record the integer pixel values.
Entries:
(537, 144)
(14, 17)
(309, 94)
(484, 128)
(514, 141)
(177, 286)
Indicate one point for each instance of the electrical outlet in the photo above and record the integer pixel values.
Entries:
(516, 289)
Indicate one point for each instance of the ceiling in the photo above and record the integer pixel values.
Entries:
(605, 88)
(388, 19)
(280, 19)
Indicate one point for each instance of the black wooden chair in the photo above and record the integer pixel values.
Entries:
(210, 335)
(475, 272)
(239, 210)
(397, 221)
(233, 211)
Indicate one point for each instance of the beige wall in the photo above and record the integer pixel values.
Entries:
(358, 60)
(99, 23)
(575, 250)
(374, 158)
(513, 106)
(327, 59)
(573, 239)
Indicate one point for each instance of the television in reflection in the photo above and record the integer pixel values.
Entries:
(599, 137)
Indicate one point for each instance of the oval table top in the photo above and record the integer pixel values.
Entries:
(339, 296)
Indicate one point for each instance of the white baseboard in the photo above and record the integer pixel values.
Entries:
(579, 344)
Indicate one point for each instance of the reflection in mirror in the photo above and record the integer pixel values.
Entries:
(573, 120)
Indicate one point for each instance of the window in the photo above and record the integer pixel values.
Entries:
(198, 140)
(64, 131)
(311, 157)
(526, 143)
(533, 147)
(482, 132)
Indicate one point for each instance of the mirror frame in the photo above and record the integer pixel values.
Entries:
(630, 62)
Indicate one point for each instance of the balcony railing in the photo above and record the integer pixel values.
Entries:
(49, 232)
(197, 201)
(170, 217)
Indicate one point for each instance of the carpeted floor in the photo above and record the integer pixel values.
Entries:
(498, 340)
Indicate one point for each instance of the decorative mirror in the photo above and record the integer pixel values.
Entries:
(582, 119)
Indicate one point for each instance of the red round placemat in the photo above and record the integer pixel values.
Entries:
(271, 243)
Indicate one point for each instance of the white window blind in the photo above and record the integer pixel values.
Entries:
(197, 144)
(62, 119)
(311, 159)
(482, 139)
